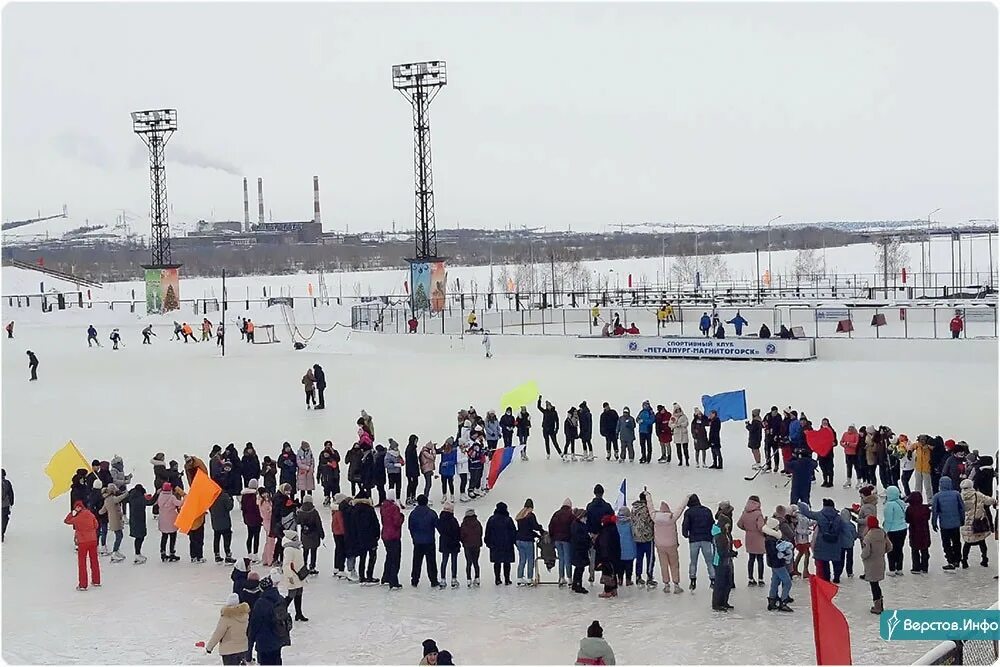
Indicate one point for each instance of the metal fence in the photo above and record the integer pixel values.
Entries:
(921, 321)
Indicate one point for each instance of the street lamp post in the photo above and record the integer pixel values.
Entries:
(928, 270)
(769, 247)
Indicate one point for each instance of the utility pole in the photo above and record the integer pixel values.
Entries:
(224, 324)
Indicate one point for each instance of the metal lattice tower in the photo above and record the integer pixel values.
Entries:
(155, 128)
(420, 83)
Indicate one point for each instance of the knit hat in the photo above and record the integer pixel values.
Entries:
(872, 521)
(444, 657)
(308, 498)
(167, 487)
(252, 484)
(265, 583)
(430, 646)
(866, 490)
(470, 512)
(253, 576)
(949, 444)
(567, 503)
(232, 600)
(393, 444)
(966, 484)
(112, 488)
(448, 507)
(339, 498)
(595, 630)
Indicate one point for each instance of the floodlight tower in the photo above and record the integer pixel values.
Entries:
(420, 83)
(155, 127)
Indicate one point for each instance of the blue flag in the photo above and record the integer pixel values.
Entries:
(730, 405)
(621, 500)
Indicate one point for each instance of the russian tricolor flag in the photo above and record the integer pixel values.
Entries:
(502, 457)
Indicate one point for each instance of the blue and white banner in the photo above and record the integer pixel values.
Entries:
(712, 348)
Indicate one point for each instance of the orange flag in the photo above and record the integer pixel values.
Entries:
(833, 637)
(197, 501)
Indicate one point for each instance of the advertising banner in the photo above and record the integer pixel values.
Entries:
(163, 290)
(667, 347)
(428, 282)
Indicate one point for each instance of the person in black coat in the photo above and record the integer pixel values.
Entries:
(449, 543)
(352, 546)
(32, 364)
(249, 464)
(137, 504)
(697, 528)
(580, 545)
(320, 377)
(365, 523)
(714, 441)
(235, 479)
(499, 539)
(328, 472)
(609, 553)
(412, 465)
(550, 426)
(79, 488)
(268, 628)
(507, 426)
(586, 418)
(378, 472)
(283, 506)
(609, 430)
(288, 466)
(366, 470)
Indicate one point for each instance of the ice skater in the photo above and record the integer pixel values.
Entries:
(146, 333)
(116, 338)
(10, 329)
(487, 344)
(309, 384)
(92, 336)
(220, 335)
(32, 366)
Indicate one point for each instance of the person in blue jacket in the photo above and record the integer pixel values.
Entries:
(795, 434)
(626, 542)
(738, 323)
(92, 336)
(705, 324)
(626, 433)
(269, 626)
(646, 420)
(449, 461)
(948, 513)
(802, 467)
(422, 523)
(894, 525)
(828, 536)
(848, 536)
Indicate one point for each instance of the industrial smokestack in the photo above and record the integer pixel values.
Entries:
(260, 200)
(316, 217)
(246, 206)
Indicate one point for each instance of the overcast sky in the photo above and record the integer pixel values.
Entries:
(554, 114)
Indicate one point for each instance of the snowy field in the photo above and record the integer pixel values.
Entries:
(180, 399)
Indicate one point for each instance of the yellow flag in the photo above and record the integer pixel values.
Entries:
(62, 466)
(525, 394)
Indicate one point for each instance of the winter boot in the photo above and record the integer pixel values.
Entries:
(877, 607)
(613, 593)
(783, 606)
(164, 558)
(985, 562)
(772, 604)
(218, 558)
(752, 582)
(580, 589)
(230, 560)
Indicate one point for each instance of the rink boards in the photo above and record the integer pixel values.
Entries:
(677, 347)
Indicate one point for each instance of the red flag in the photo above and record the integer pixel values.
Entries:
(833, 637)
(820, 441)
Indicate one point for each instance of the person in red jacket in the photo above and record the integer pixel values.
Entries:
(956, 325)
(85, 528)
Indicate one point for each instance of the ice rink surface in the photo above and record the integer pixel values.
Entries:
(179, 398)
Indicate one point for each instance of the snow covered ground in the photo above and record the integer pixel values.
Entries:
(179, 398)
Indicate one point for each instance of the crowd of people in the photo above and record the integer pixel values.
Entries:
(278, 501)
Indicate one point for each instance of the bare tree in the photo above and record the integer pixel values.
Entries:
(890, 256)
(712, 268)
(808, 263)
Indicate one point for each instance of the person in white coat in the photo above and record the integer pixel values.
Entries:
(294, 572)
(462, 470)
(487, 344)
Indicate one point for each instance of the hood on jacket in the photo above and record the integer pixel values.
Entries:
(502, 509)
(945, 484)
(966, 485)
(307, 505)
(694, 501)
(915, 498)
(624, 514)
(664, 507)
(240, 611)
(892, 493)
(751, 505)
(771, 528)
(845, 515)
